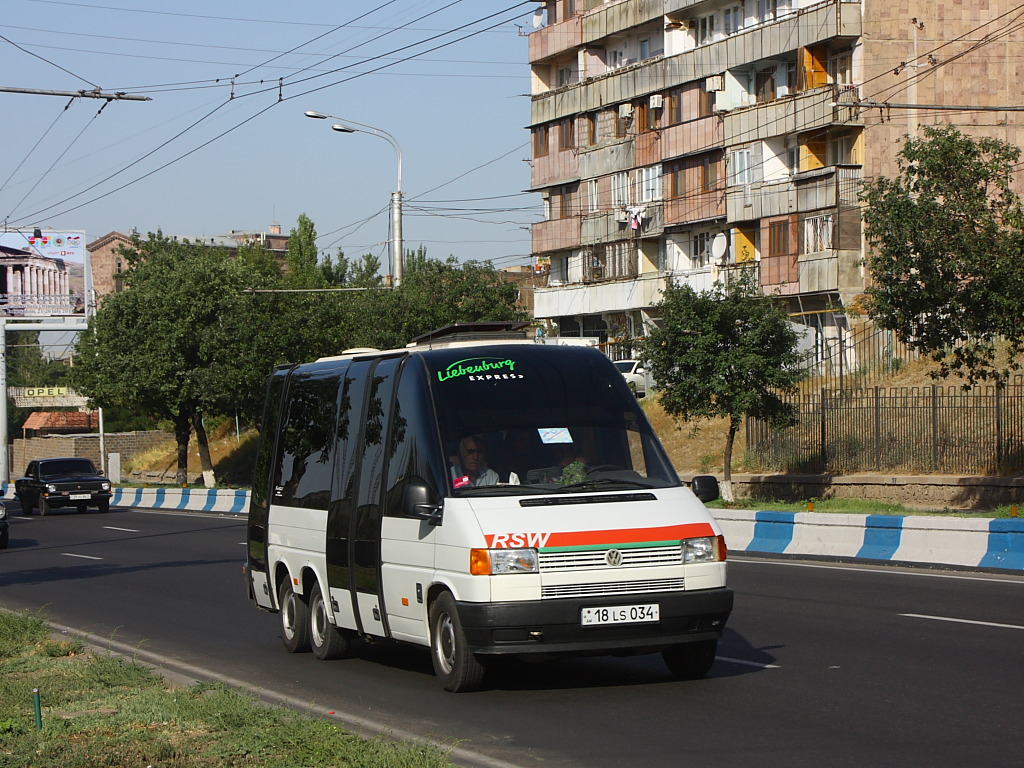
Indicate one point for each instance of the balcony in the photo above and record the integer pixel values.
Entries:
(746, 202)
(612, 296)
(560, 167)
(691, 137)
(550, 41)
(695, 206)
(803, 28)
(612, 18)
(805, 111)
(828, 187)
(555, 235)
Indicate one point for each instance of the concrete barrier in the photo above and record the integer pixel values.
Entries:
(186, 499)
(966, 542)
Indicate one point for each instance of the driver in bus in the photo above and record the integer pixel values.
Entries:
(472, 471)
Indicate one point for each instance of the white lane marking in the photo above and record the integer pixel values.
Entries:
(746, 663)
(961, 621)
(126, 530)
(84, 557)
(899, 570)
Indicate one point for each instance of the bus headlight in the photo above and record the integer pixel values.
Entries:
(492, 562)
(706, 549)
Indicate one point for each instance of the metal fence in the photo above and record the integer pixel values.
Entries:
(938, 429)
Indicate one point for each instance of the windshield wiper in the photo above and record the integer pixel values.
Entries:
(587, 485)
(501, 490)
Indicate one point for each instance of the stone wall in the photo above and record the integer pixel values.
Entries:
(915, 491)
(87, 446)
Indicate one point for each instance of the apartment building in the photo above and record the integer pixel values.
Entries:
(108, 263)
(688, 139)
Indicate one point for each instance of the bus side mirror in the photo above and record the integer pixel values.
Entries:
(416, 503)
(705, 487)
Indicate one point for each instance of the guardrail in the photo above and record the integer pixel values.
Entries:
(187, 499)
(996, 543)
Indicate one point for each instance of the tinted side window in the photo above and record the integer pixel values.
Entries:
(306, 450)
(372, 467)
(414, 451)
(339, 517)
(260, 504)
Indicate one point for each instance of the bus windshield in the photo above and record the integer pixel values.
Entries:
(530, 418)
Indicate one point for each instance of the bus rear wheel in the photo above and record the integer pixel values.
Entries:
(327, 641)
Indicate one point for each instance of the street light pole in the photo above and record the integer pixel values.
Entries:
(396, 196)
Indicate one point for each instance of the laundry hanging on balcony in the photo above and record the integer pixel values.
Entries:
(636, 216)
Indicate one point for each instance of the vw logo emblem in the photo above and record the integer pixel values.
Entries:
(613, 557)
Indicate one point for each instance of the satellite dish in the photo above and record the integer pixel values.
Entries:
(538, 18)
(719, 245)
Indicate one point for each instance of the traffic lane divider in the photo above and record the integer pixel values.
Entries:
(230, 502)
(989, 543)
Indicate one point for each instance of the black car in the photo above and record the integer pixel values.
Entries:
(4, 526)
(68, 482)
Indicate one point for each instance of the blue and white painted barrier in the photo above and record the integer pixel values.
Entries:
(186, 499)
(969, 542)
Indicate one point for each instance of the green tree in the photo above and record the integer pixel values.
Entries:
(947, 240)
(302, 256)
(182, 340)
(725, 353)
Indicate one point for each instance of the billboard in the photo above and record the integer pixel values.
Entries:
(42, 273)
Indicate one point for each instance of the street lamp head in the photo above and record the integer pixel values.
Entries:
(342, 128)
(315, 115)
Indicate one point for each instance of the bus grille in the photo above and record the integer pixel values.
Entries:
(613, 588)
(641, 557)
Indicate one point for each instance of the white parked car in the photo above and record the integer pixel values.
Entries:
(634, 373)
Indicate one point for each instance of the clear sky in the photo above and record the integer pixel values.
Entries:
(448, 79)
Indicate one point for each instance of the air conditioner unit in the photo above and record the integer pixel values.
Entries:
(714, 83)
(622, 216)
(656, 101)
(625, 111)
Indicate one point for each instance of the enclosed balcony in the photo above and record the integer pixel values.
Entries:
(800, 29)
(555, 235)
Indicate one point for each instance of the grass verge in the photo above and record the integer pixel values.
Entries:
(857, 507)
(101, 710)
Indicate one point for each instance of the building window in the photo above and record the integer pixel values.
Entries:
(620, 190)
(778, 238)
(118, 282)
(840, 148)
(568, 9)
(567, 134)
(641, 114)
(540, 141)
(705, 102)
(767, 9)
(700, 250)
(740, 170)
(645, 49)
(818, 233)
(792, 157)
(563, 76)
(764, 85)
(674, 107)
(559, 270)
(675, 175)
(705, 29)
(593, 199)
(623, 115)
(733, 19)
(709, 173)
(650, 183)
(592, 136)
(564, 201)
(616, 58)
(840, 66)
